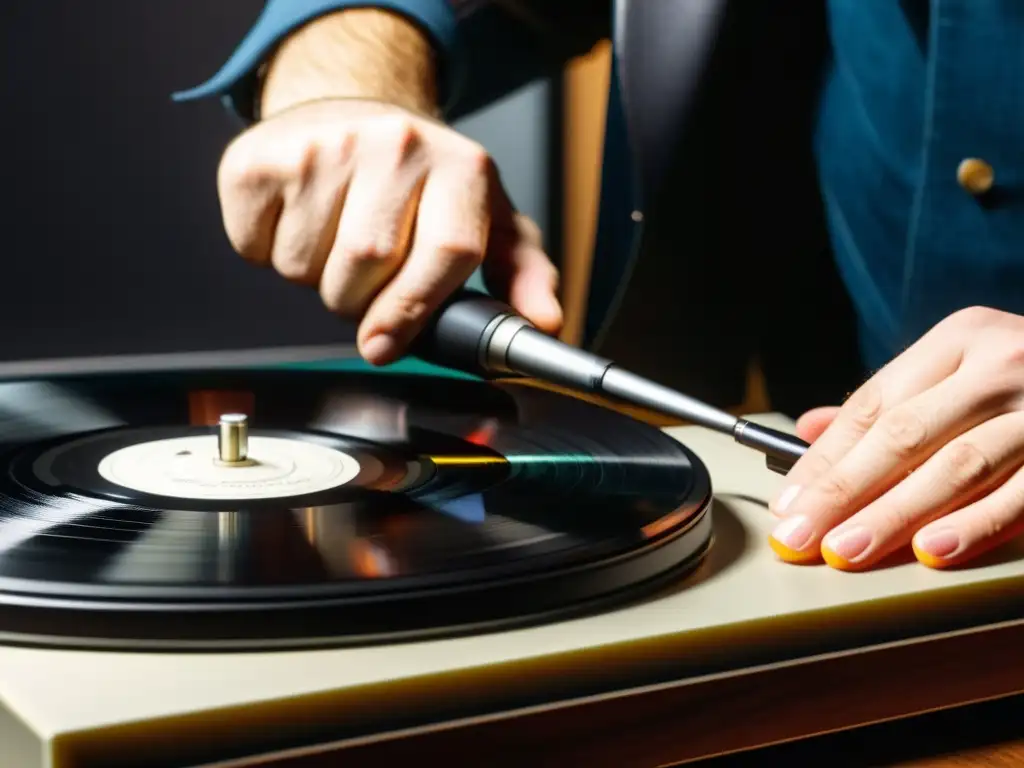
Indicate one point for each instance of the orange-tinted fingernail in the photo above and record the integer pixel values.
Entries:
(790, 538)
(842, 548)
(933, 547)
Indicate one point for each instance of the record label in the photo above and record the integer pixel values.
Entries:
(186, 468)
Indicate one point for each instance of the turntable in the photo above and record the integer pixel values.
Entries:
(248, 565)
(326, 509)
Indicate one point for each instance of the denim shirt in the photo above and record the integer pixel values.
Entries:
(912, 88)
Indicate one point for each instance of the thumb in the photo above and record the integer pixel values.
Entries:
(811, 424)
(519, 271)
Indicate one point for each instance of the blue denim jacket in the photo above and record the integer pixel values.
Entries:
(911, 89)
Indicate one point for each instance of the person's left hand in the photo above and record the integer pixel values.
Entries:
(929, 451)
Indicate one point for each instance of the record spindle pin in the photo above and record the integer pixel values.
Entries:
(233, 439)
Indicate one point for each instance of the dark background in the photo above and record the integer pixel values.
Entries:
(112, 240)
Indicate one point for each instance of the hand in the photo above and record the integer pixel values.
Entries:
(386, 212)
(928, 452)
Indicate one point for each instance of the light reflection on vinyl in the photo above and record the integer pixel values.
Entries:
(467, 506)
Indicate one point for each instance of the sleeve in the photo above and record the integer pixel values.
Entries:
(235, 82)
(486, 48)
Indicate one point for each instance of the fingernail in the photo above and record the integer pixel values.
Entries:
(941, 543)
(380, 349)
(793, 532)
(557, 316)
(785, 499)
(547, 314)
(850, 543)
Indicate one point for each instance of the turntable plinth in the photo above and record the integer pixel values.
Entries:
(746, 652)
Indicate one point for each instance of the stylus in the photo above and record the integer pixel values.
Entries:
(477, 334)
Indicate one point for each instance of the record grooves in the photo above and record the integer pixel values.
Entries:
(372, 507)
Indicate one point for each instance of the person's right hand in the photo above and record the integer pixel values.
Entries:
(386, 212)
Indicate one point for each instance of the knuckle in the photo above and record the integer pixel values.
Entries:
(251, 248)
(974, 317)
(300, 162)
(372, 253)
(991, 524)
(905, 430)
(1003, 357)
(243, 237)
(244, 170)
(240, 173)
(477, 159)
(462, 252)
(297, 269)
(837, 490)
(864, 406)
(408, 310)
(967, 466)
(816, 464)
(338, 148)
(1001, 390)
(399, 134)
(234, 159)
(1012, 357)
(276, 163)
(338, 303)
(248, 248)
(899, 518)
(331, 300)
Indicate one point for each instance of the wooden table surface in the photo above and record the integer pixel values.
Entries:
(985, 734)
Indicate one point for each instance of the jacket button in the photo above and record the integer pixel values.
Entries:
(974, 175)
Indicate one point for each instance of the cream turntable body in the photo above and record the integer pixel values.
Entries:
(65, 708)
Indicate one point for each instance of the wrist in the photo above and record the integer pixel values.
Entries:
(359, 53)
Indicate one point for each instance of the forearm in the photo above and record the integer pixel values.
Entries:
(464, 54)
(361, 52)
(379, 54)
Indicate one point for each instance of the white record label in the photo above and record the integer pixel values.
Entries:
(187, 467)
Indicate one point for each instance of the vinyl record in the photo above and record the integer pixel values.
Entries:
(364, 507)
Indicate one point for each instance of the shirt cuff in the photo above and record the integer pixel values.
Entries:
(235, 82)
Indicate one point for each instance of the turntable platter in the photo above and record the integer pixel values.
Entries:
(256, 509)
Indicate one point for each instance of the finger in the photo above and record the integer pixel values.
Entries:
(977, 528)
(308, 222)
(372, 241)
(899, 442)
(377, 219)
(810, 425)
(958, 474)
(532, 289)
(449, 243)
(518, 270)
(251, 197)
(929, 361)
